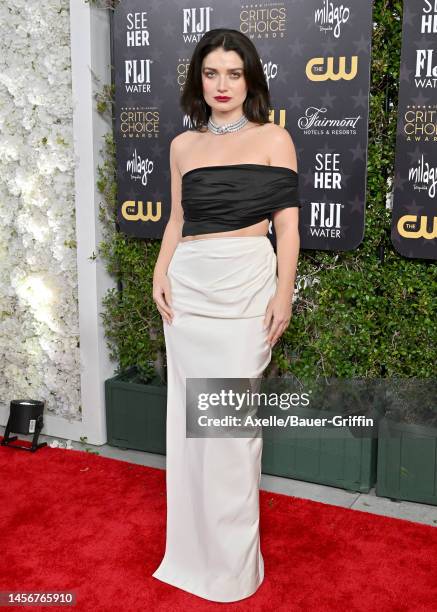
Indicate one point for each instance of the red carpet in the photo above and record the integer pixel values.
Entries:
(75, 521)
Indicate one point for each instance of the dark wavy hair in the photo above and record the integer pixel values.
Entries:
(256, 107)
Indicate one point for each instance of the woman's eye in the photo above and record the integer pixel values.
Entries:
(234, 74)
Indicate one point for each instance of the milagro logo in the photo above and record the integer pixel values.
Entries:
(424, 177)
(270, 71)
(330, 18)
(138, 168)
(195, 22)
(186, 122)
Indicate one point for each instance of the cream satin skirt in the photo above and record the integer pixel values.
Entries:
(220, 291)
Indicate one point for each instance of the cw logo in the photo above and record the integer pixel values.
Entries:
(281, 117)
(322, 69)
(422, 232)
(134, 211)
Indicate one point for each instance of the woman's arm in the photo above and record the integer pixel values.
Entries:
(173, 229)
(171, 237)
(286, 223)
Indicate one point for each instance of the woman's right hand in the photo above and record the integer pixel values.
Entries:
(162, 296)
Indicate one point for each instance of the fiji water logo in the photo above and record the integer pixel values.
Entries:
(196, 21)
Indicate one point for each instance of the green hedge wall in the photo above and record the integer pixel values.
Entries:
(367, 313)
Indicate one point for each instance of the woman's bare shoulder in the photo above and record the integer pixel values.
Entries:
(278, 131)
(281, 147)
(182, 145)
(184, 138)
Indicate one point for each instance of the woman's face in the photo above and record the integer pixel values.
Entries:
(223, 75)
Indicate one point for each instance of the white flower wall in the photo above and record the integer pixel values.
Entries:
(39, 336)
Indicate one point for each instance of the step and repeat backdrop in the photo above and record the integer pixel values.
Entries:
(414, 220)
(316, 57)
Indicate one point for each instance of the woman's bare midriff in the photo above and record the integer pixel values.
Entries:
(243, 146)
(259, 229)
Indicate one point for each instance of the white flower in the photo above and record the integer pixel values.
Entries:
(38, 274)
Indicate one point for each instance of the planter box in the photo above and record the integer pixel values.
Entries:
(322, 456)
(135, 413)
(136, 419)
(407, 462)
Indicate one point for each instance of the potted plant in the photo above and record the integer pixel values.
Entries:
(136, 407)
(343, 456)
(407, 442)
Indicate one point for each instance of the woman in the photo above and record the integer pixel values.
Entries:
(225, 299)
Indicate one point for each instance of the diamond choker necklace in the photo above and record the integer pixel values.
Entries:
(227, 127)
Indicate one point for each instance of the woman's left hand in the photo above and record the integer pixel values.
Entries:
(277, 317)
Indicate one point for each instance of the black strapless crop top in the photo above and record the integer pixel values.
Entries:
(226, 198)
